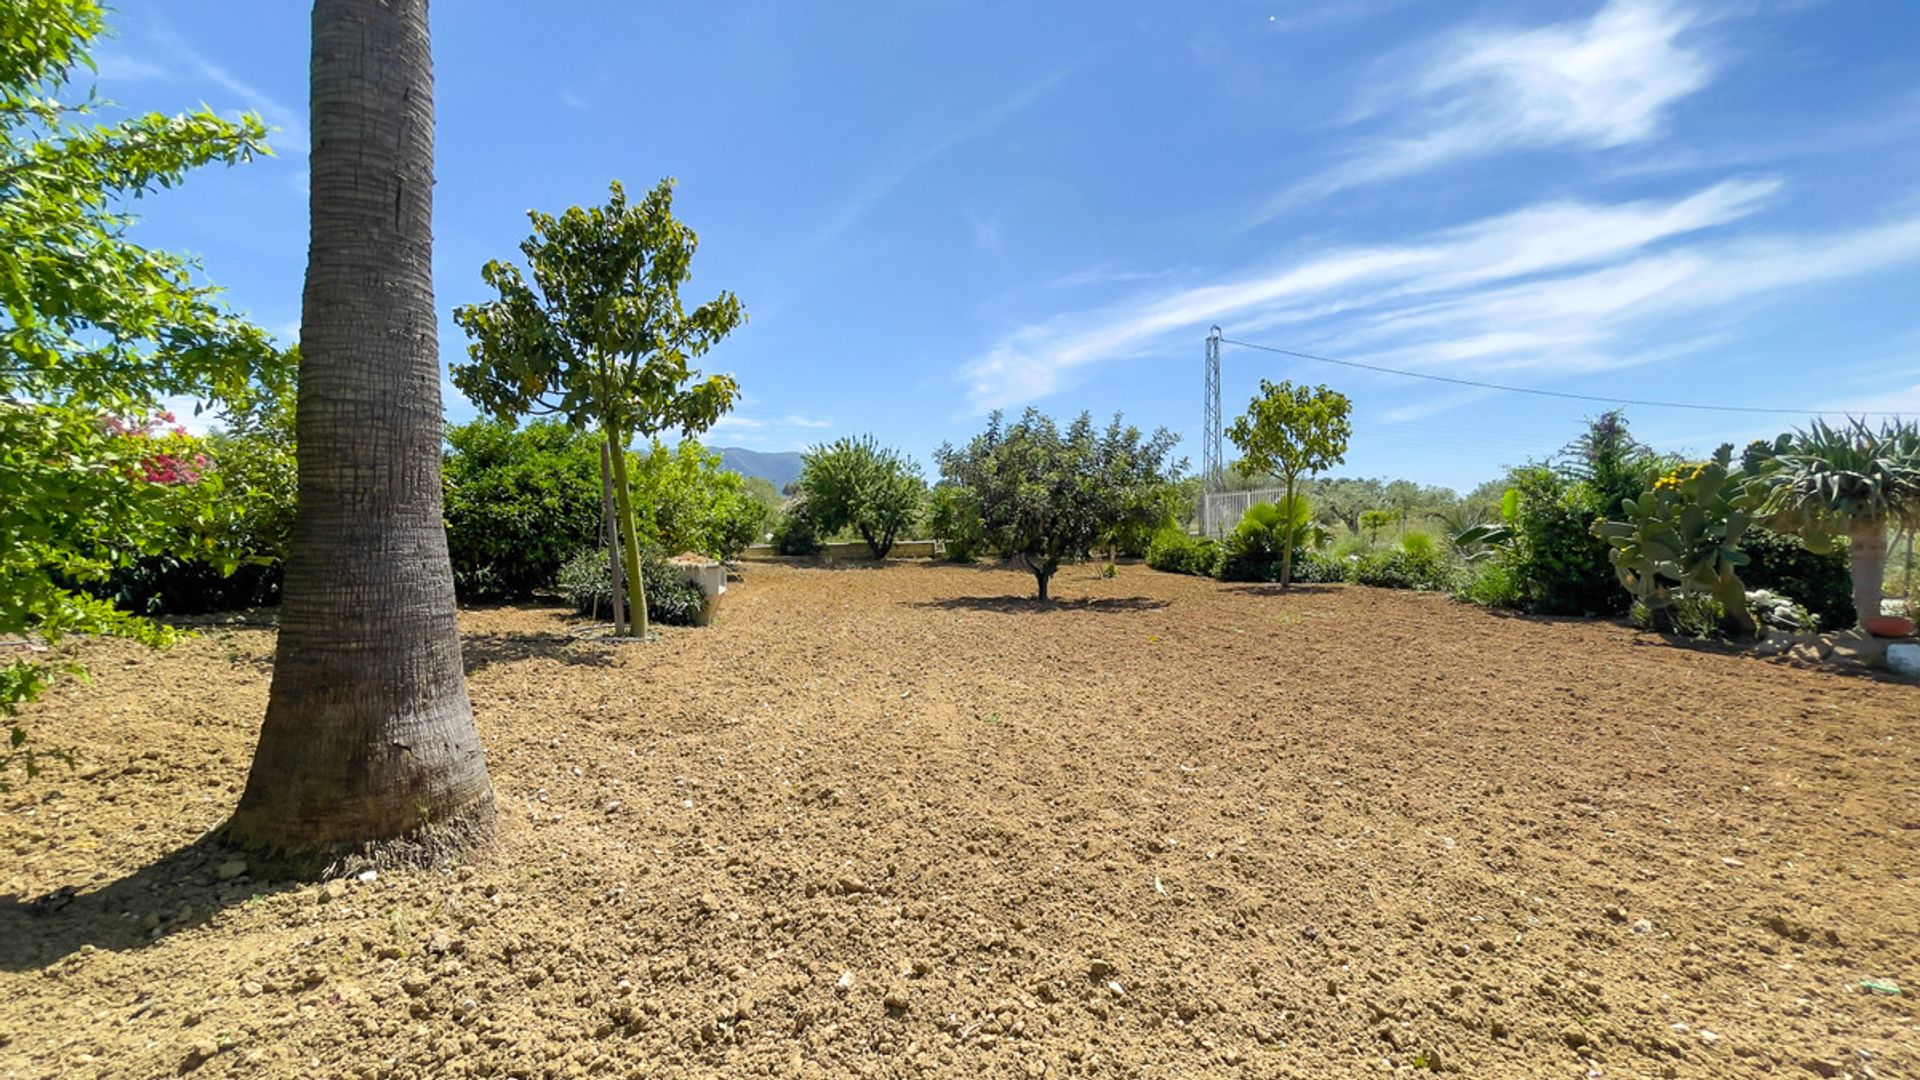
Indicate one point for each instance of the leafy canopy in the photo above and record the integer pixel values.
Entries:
(97, 331)
(1047, 495)
(599, 336)
(857, 483)
(1290, 431)
(1817, 481)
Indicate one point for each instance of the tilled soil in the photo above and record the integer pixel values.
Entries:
(905, 822)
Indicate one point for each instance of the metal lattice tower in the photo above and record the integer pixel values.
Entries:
(1210, 464)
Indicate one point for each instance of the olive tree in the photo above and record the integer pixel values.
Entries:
(857, 483)
(1292, 431)
(1046, 495)
(599, 337)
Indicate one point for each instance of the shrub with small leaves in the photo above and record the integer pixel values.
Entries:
(586, 583)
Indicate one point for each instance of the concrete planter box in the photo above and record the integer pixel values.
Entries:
(709, 577)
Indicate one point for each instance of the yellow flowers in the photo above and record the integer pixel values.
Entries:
(1680, 476)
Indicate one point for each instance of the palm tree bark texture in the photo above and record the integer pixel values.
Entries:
(369, 735)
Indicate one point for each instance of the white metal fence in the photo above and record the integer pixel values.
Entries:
(1220, 511)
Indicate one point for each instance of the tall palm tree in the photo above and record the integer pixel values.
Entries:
(369, 735)
(1825, 482)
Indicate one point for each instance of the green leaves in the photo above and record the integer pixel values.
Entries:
(94, 327)
(599, 336)
(857, 483)
(1047, 495)
(1290, 430)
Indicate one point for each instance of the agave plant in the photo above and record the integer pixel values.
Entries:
(1826, 482)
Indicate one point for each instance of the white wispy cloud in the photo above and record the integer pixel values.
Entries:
(1607, 81)
(789, 431)
(1383, 287)
(882, 183)
(176, 58)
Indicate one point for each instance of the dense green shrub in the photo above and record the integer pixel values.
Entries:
(251, 521)
(1780, 563)
(586, 583)
(1177, 553)
(518, 502)
(1317, 567)
(1489, 583)
(953, 517)
(1421, 568)
(1558, 564)
(1256, 546)
(1559, 567)
(684, 501)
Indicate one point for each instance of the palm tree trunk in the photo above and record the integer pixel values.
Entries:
(623, 498)
(1867, 560)
(369, 735)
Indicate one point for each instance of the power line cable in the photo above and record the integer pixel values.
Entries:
(1537, 392)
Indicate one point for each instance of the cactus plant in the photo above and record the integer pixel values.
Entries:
(1682, 538)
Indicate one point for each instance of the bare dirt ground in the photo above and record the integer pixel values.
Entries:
(901, 822)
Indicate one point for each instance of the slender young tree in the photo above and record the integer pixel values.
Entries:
(600, 337)
(1292, 431)
(369, 735)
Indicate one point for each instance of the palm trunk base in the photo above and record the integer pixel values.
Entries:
(449, 841)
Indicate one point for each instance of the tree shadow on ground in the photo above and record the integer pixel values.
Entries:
(1027, 605)
(486, 649)
(1298, 588)
(180, 891)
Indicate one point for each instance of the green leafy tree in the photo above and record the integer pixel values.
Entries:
(687, 502)
(97, 332)
(519, 503)
(953, 517)
(1344, 498)
(598, 336)
(1823, 483)
(1048, 495)
(1292, 431)
(856, 483)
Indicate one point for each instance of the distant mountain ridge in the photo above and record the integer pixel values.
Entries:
(781, 468)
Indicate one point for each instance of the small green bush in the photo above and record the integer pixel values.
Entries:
(1488, 583)
(586, 583)
(1399, 568)
(1781, 564)
(1313, 567)
(1177, 553)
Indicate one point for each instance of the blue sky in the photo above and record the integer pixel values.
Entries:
(932, 210)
